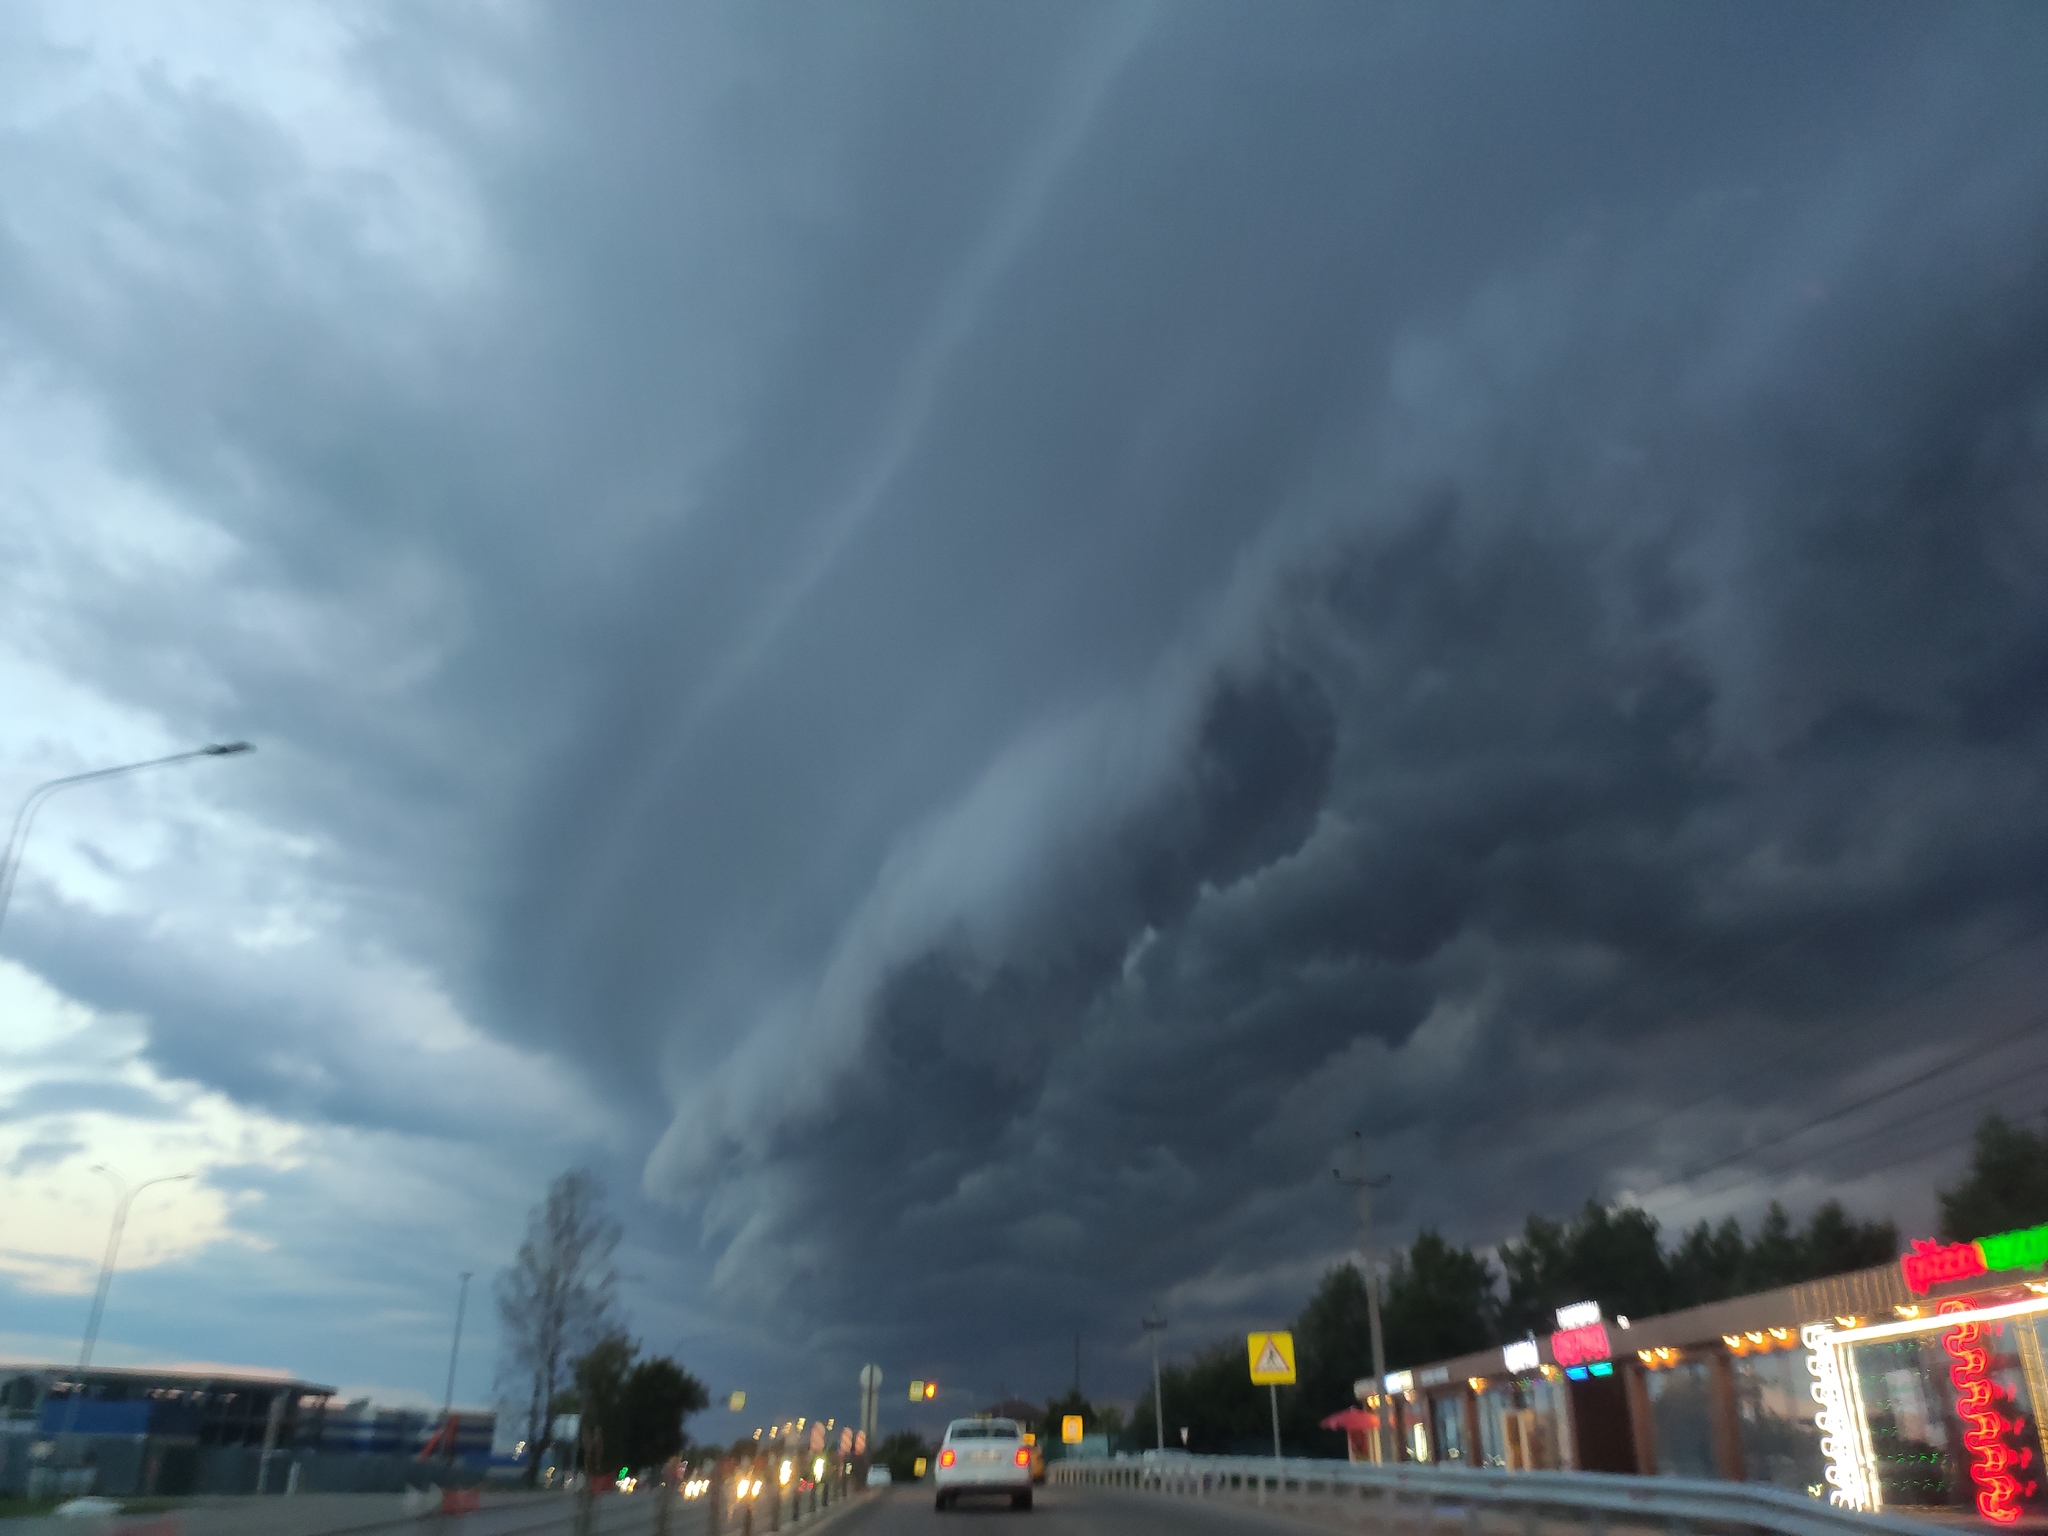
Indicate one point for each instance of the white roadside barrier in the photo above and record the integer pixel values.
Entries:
(1421, 1496)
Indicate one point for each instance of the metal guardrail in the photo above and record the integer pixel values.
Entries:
(1409, 1493)
(651, 1513)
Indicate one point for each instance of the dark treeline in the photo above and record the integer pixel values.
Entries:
(1442, 1301)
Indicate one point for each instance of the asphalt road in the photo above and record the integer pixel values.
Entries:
(1057, 1511)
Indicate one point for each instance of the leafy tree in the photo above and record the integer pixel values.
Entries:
(1439, 1301)
(1332, 1349)
(1834, 1244)
(1048, 1428)
(599, 1382)
(1616, 1260)
(1774, 1257)
(899, 1452)
(555, 1298)
(1606, 1255)
(1212, 1395)
(1708, 1264)
(2006, 1187)
(655, 1398)
(1536, 1277)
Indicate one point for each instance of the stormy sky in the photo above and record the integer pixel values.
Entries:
(952, 639)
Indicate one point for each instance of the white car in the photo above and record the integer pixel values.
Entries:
(984, 1456)
(880, 1477)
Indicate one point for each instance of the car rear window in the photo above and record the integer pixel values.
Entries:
(985, 1429)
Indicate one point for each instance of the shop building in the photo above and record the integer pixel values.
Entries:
(1911, 1386)
(124, 1430)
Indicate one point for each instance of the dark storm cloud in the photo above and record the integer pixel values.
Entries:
(1006, 622)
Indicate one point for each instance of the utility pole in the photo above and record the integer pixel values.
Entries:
(1077, 1365)
(1153, 1327)
(1364, 1185)
(454, 1350)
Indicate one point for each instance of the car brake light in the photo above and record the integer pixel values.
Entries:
(946, 1458)
(1023, 1455)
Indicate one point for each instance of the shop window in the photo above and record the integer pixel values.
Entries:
(1914, 1392)
(1494, 1407)
(1682, 1409)
(1774, 1416)
(1449, 1414)
(1909, 1431)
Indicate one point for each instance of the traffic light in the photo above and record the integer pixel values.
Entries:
(931, 1390)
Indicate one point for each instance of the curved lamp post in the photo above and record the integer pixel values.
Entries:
(123, 1199)
(17, 837)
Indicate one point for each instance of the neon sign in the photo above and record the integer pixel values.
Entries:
(1580, 1314)
(1840, 1432)
(1579, 1346)
(1997, 1466)
(1520, 1355)
(1984, 1427)
(1931, 1263)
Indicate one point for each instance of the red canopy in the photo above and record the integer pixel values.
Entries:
(1352, 1419)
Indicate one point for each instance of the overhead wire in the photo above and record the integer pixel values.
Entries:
(1754, 1068)
(1973, 1050)
(1892, 1127)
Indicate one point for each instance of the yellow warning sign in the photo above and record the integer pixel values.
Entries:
(1070, 1429)
(1272, 1356)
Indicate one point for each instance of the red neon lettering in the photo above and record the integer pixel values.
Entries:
(1984, 1427)
(1931, 1264)
(1579, 1346)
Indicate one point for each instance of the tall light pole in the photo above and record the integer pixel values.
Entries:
(124, 1198)
(1153, 1327)
(17, 836)
(454, 1351)
(1364, 1186)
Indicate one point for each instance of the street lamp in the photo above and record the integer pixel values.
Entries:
(454, 1351)
(1153, 1327)
(17, 837)
(125, 1197)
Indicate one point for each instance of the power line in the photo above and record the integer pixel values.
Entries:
(1779, 1059)
(1975, 1094)
(1948, 1064)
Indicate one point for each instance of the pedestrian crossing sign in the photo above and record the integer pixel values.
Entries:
(1272, 1356)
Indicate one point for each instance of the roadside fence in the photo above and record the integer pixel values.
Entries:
(720, 1510)
(1478, 1499)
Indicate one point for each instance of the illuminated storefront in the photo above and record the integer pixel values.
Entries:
(1936, 1408)
(1908, 1386)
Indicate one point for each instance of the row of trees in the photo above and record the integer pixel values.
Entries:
(557, 1305)
(558, 1309)
(1441, 1300)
